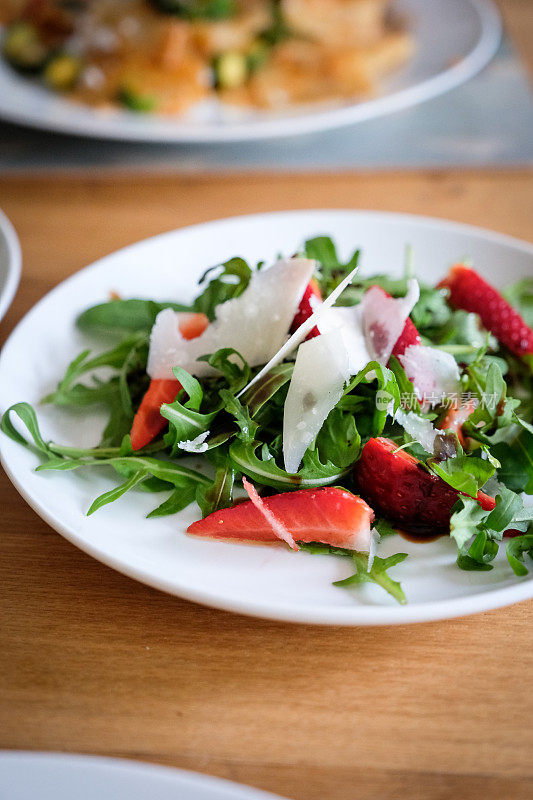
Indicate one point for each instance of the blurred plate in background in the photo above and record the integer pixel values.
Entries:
(54, 776)
(10, 263)
(455, 39)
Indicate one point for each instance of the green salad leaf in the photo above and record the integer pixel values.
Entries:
(124, 316)
(377, 573)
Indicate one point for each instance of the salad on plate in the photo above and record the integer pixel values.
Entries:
(303, 406)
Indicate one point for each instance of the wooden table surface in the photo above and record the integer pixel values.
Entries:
(92, 662)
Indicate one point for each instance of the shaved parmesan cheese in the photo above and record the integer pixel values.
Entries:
(277, 526)
(419, 428)
(384, 318)
(433, 373)
(322, 367)
(196, 445)
(348, 341)
(348, 323)
(375, 539)
(256, 323)
(300, 334)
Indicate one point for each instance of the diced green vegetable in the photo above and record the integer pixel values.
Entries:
(197, 9)
(230, 70)
(136, 101)
(62, 72)
(258, 55)
(24, 48)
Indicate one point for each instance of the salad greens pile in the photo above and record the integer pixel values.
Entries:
(242, 435)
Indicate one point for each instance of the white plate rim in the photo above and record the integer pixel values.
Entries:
(14, 264)
(356, 615)
(184, 778)
(285, 126)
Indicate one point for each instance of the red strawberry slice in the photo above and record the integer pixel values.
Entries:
(397, 485)
(148, 422)
(455, 419)
(408, 336)
(305, 309)
(469, 291)
(331, 516)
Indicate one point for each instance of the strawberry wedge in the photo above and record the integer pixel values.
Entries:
(305, 309)
(397, 486)
(409, 336)
(148, 422)
(470, 292)
(331, 516)
(455, 419)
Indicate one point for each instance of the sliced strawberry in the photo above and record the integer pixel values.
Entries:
(455, 419)
(332, 516)
(305, 309)
(469, 291)
(148, 422)
(408, 337)
(397, 485)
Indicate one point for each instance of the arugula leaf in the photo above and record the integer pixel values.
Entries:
(508, 506)
(523, 424)
(376, 574)
(495, 410)
(332, 270)
(384, 527)
(231, 365)
(486, 528)
(232, 279)
(339, 441)
(186, 422)
(482, 551)
(129, 354)
(516, 462)
(466, 520)
(265, 471)
(139, 468)
(178, 500)
(264, 390)
(465, 473)
(27, 415)
(241, 414)
(406, 388)
(515, 553)
(220, 493)
(431, 312)
(388, 392)
(124, 316)
(119, 393)
(109, 497)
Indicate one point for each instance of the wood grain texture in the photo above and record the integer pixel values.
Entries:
(93, 662)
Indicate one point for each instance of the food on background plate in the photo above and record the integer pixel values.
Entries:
(166, 56)
(346, 408)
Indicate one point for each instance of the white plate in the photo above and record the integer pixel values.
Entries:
(267, 581)
(10, 263)
(54, 776)
(455, 40)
